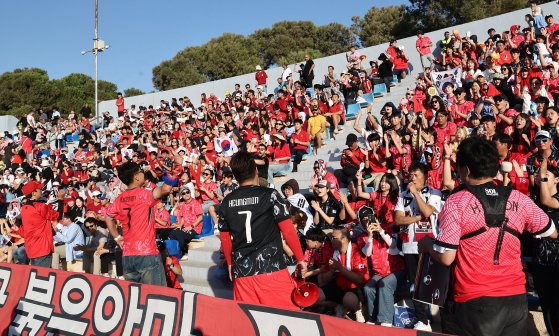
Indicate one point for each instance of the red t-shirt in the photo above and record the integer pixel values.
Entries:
(120, 104)
(36, 218)
(261, 77)
(163, 215)
(475, 273)
(446, 133)
(281, 153)
(383, 262)
(133, 209)
(172, 279)
(376, 165)
(358, 264)
(188, 212)
(465, 108)
(302, 136)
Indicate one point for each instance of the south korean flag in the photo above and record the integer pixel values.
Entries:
(440, 78)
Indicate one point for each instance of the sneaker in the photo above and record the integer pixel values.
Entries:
(386, 324)
(422, 326)
(184, 257)
(340, 311)
(359, 316)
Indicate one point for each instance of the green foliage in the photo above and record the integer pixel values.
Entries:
(437, 14)
(232, 55)
(23, 90)
(133, 92)
(379, 25)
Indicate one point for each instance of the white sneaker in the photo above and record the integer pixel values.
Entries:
(386, 324)
(340, 311)
(359, 316)
(422, 326)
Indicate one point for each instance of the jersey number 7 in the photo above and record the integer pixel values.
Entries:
(248, 228)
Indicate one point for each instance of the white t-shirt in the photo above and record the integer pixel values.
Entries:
(415, 231)
(286, 73)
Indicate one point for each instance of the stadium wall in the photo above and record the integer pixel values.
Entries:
(478, 28)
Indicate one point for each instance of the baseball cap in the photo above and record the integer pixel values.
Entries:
(323, 184)
(350, 139)
(543, 134)
(31, 186)
(96, 193)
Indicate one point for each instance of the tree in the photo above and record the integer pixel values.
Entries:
(283, 38)
(334, 38)
(379, 25)
(229, 55)
(436, 14)
(133, 92)
(26, 88)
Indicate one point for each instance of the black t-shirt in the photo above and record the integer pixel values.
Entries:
(332, 209)
(263, 169)
(251, 215)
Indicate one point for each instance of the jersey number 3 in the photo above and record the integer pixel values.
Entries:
(248, 228)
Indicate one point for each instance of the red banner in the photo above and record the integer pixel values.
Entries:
(37, 301)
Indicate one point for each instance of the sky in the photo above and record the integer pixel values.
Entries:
(141, 34)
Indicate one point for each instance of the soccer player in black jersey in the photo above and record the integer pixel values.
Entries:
(252, 221)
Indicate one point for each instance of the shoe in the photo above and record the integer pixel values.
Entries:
(294, 170)
(386, 324)
(422, 326)
(184, 257)
(359, 316)
(340, 311)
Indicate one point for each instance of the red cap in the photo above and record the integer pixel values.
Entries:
(31, 186)
(514, 29)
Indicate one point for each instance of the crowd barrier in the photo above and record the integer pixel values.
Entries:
(41, 301)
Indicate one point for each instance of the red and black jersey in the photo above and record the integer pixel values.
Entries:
(251, 215)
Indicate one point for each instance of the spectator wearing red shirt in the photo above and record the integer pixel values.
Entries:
(346, 274)
(300, 141)
(120, 105)
(401, 64)
(133, 209)
(37, 218)
(388, 267)
(459, 112)
(352, 157)
(335, 113)
(189, 220)
(504, 55)
(171, 265)
(423, 47)
(281, 154)
(446, 130)
(495, 282)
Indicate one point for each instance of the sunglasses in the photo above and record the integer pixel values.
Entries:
(409, 94)
(185, 192)
(90, 226)
(206, 174)
(544, 140)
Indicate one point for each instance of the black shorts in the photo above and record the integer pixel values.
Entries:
(336, 294)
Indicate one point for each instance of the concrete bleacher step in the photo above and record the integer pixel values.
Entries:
(202, 272)
(215, 288)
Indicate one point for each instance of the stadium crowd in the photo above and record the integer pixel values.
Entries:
(395, 176)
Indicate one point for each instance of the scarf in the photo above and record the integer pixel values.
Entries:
(336, 256)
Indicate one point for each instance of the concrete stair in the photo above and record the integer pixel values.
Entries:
(331, 152)
(202, 272)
